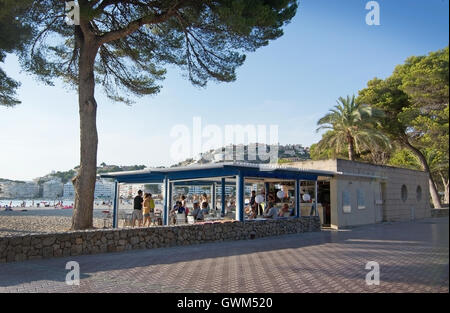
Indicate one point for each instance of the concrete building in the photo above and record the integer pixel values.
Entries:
(362, 193)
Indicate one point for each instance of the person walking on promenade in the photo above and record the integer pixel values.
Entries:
(149, 205)
(137, 209)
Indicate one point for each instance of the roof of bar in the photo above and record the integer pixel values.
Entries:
(225, 169)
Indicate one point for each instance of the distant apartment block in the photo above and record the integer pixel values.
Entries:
(52, 189)
(69, 190)
(103, 190)
(129, 191)
(18, 190)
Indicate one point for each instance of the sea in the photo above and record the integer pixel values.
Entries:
(17, 203)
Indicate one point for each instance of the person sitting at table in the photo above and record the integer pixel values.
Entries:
(231, 206)
(197, 212)
(205, 209)
(271, 200)
(178, 209)
(284, 210)
(271, 211)
(173, 212)
(251, 211)
(248, 210)
(181, 209)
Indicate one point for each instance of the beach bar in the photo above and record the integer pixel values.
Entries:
(217, 175)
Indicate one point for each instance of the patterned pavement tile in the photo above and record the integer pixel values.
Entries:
(413, 257)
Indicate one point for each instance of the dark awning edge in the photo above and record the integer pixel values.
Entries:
(157, 175)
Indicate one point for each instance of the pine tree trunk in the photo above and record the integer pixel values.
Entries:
(84, 182)
(423, 162)
(446, 184)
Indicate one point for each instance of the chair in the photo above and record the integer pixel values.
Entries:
(180, 219)
(106, 219)
(158, 217)
(122, 216)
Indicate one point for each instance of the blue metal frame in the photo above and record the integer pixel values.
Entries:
(223, 196)
(213, 196)
(297, 198)
(197, 183)
(166, 202)
(224, 171)
(316, 191)
(177, 176)
(115, 204)
(266, 190)
(240, 197)
(170, 204)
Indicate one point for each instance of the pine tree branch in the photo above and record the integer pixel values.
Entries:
(135, 25)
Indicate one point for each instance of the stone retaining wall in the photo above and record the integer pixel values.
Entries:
(439, 212)
(38, 246)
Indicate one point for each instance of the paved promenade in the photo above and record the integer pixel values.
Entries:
(413, 257)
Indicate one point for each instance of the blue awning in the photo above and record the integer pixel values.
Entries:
(214, 171)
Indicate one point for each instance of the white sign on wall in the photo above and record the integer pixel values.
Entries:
(346, 204)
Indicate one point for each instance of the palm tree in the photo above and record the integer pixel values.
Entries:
(352, 124)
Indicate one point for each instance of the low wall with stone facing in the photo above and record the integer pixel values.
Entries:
(439, 212)
(38, 246)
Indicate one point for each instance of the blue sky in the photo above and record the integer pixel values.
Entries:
(327, 51)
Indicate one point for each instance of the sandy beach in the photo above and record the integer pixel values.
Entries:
(41, 220)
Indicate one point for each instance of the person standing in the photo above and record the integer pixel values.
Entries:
(183, 201)
(253, 205)
(137, 209)
(146, 209)
(152, 208)
(204, 200)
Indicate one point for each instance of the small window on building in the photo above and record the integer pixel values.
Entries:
(360, 198)
(346, 205)
(419, 193)
(404, 193)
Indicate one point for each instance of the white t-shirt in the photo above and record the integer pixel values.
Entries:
(273, 212)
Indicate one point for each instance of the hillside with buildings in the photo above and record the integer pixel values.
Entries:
(250, 154)
(58, 184)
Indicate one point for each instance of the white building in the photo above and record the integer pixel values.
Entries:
(19, 190)
(128, 191)
(362, 193)
(53, 189)
(103, 190)
(69, 191)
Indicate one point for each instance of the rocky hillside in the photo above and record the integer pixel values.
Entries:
(246, 153)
